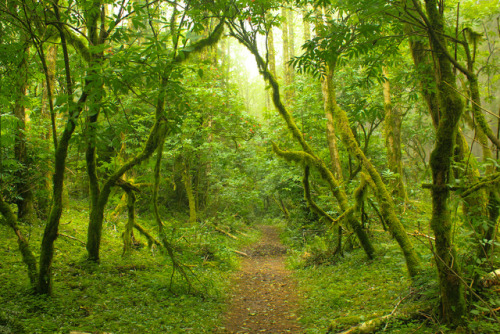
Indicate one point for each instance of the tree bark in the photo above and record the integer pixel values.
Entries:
(393, 138)
(328, 90)
(187, 180)
(61, 152)
(450, 108)
(23, 186)
(286, 54)
(129, 226)
(29, 258)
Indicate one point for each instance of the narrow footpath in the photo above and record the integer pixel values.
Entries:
(264, 296)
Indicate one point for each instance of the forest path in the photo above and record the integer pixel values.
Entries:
(264, 298)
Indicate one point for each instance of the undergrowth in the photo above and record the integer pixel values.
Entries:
(136, 294)
(339, 292)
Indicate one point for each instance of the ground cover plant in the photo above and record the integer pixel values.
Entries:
(134, 294)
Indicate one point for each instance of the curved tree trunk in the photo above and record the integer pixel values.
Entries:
(97, 214)
(383, 196)
(29, 258)
(52, 226)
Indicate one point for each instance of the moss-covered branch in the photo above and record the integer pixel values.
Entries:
(485, 182)
(212, 39)
(310, 202)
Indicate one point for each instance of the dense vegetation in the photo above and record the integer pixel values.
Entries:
(139, 147)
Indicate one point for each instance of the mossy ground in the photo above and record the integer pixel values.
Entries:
(120, 295)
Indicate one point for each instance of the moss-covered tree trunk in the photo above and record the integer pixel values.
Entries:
(24, 192)
(393, 121)
(328, 90)
(450, 111)
(29, 258)
(95, 39)
(94, 232)
(129, 226)
(188, 185)
(386, 203)
(52, 226)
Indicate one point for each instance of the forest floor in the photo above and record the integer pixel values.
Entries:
(264, 298)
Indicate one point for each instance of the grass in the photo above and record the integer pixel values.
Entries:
(120, 295)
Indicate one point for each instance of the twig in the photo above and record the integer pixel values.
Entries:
(240, 253)
(420, 234)
(395, 308)
(70, 237)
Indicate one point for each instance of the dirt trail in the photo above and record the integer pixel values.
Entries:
(264, 296)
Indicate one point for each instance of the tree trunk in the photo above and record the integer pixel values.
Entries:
(97, 214)
(187, 180)
(23, 186)
(52, 226)
(129, 227)
(451, 108)
(291, 45)
(385, 200)
(286, 54)
(328, 90)
(393, 139)
(29, 258)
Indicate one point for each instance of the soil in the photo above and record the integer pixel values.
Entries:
(264, 298)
